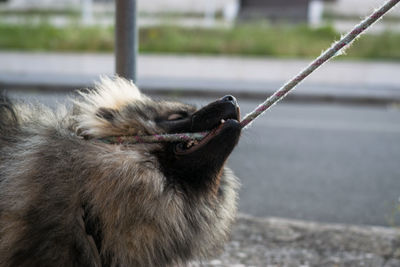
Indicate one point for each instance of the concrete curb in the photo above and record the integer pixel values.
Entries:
(285, 242)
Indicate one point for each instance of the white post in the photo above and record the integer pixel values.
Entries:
(315, 11)
(231, 11)
(87, 11)
(209, 16)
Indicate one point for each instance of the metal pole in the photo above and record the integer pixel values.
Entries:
(126, 44)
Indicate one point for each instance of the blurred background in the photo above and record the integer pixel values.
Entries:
(329, 152)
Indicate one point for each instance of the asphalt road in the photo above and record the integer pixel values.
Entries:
(328, 163)
(323, 163)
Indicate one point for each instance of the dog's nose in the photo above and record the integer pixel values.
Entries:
(229, 98)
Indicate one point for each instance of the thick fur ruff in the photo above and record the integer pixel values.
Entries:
(67, 199)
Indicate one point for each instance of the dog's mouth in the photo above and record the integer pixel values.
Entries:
(200, 163)
(217, 129)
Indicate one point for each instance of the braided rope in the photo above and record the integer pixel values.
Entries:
(278, 95)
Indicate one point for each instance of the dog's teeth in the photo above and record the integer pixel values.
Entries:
(191, 143)
(222, 120)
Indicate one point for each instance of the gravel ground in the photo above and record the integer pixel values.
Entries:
(285, 243)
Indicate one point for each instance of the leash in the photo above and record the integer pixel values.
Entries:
(334, 50)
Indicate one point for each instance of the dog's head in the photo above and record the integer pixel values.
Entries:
(118, 108)
(175, 198)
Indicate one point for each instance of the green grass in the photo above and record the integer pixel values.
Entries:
(242, 40)
(45, 37)
(249, 40)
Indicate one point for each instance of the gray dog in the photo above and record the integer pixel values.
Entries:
(69, 199)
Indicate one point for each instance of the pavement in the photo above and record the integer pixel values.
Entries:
(190, 75)
(277, 242)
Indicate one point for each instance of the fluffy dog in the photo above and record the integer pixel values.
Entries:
(69, 199)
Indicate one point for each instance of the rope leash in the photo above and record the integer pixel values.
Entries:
(278, 95)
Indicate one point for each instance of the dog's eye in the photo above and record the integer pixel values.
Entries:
(175, 116)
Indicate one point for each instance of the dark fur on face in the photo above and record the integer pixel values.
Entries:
(67, 199)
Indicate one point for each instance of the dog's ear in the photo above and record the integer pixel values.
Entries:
(112, 93)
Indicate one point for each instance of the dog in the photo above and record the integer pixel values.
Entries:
(69, 199)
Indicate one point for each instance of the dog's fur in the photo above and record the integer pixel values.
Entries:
(68, 199)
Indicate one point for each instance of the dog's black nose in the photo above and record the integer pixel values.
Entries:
(229, 98)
